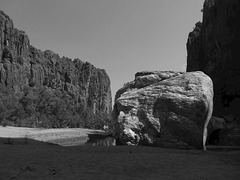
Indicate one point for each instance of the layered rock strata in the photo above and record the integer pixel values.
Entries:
(164, 108)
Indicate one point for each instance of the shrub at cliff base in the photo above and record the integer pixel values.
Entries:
(48, 108)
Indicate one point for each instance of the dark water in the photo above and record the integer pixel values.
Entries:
(100, 140)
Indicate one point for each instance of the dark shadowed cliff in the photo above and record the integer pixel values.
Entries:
(214, 48)
(22, 65)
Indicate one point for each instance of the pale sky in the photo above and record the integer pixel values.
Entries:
(120, 36)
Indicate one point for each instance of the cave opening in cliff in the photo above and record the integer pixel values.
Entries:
(214, 137)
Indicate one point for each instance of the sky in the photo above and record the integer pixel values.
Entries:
(121, 36)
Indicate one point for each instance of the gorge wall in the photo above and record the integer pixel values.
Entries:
(214, 48)
(23, 65)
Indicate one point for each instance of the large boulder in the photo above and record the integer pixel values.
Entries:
(164, 108)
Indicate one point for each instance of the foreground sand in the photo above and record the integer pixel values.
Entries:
(31, 159)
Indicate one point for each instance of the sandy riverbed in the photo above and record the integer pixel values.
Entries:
(31, 159)
(63, 137)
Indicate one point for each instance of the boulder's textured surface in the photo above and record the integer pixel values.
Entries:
(23, 65)
(214, 48)
(162, 108)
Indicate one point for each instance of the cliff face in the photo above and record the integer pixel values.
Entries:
(214, 48)
(23, 65)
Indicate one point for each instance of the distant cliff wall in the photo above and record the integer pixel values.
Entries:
(23, 65)
(214, 48)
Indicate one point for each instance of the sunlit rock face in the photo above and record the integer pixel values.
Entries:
(23, 65)
(164, 108)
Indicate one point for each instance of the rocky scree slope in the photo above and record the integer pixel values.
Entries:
(23, 65)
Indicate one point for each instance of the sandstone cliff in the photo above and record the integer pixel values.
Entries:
(214, 48)
(23, 65)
